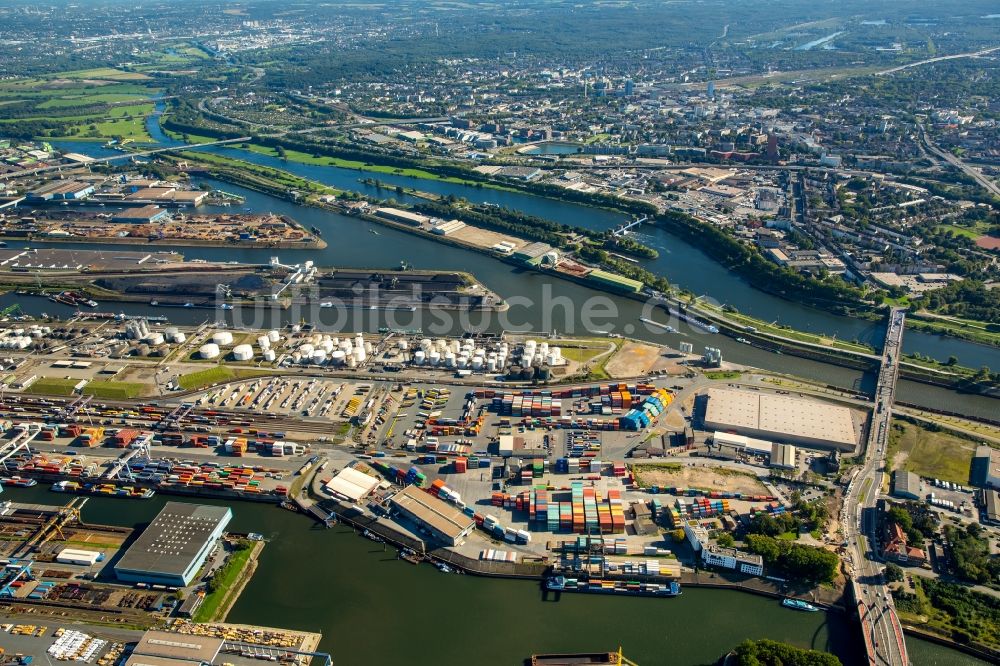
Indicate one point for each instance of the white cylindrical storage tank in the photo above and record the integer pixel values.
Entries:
(434, 357)
(556, 351)
(327, 346)
(154, 339)
(170, 332)
(264, 342)
(242, 352)
(426, 344)
(338, 357)
(462, 361)
(359, 354)
(210, 350)
(352, 362)
(180, 338)
(418, 357)
(477, 362)
(296, 356)
(269, 355)
(449, 360)
(455, 346)
(552, 359)
(403, 345)
(526, 361)
(368, 348)
(319, 357)
(274, 336)
(441, 344)
(306, 349)
(222, 338)
(491, 364)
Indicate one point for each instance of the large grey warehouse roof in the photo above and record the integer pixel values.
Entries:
(906, 484)
(772, 416)
(174, 538)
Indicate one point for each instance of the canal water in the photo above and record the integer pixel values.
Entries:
(374, 609)
(538, 303)
(680, 262)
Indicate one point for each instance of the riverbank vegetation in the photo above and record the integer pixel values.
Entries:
(970, 552)
(220, 584)
(831, 293)
(795, 561)
(773, 653)
(951, 610)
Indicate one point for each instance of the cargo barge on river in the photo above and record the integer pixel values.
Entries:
(622, 587)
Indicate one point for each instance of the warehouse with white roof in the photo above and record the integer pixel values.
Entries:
(352, 485)
(781, 418)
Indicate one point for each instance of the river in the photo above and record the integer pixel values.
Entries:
(540, 303)
(376, 610)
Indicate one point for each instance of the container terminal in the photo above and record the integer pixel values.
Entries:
(614, 487)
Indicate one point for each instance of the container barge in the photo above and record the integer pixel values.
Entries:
(666, 327)
(575, 659)
(73, 299)
(798, 604)
(102, 490)
(596, 585)
(17, 482)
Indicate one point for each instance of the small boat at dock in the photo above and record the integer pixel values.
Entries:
(798, 604)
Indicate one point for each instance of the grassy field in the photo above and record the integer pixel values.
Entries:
(938, 455)
(306, 158)
(115, 390)
(723, 374)
(581, 354)
(973, 232)
(98, 388)
(53, 386)
(215, 375)
(275, 177)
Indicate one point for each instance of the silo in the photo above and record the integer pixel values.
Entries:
(242, 352)
(210, 350)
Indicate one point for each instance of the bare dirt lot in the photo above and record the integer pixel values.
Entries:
(633, 359)
(713, 478)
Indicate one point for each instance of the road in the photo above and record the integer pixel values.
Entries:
(883, 634)
(100, 160)
(971, 54)
(951, 159)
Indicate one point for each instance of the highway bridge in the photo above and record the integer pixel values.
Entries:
(112, 158)
(883, 634)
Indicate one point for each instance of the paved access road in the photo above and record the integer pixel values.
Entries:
(883, 634)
